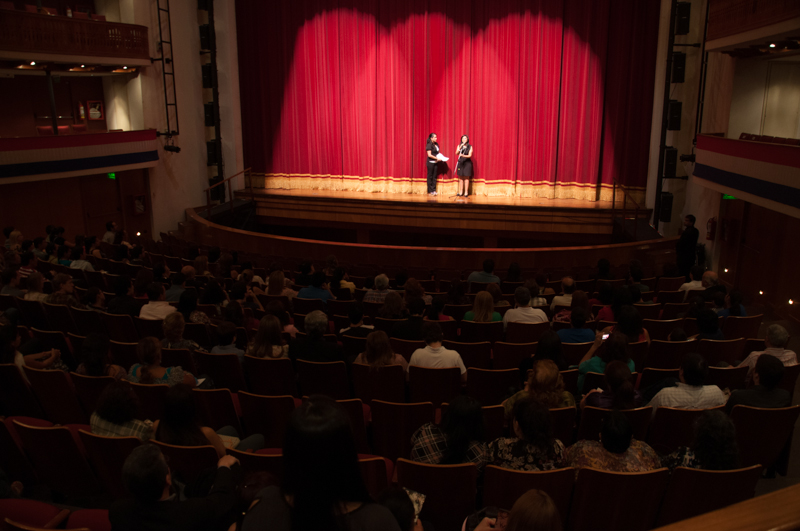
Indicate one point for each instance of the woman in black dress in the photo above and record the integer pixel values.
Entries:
(464, 168)
(431, 150)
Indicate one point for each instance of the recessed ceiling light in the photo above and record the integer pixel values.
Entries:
(772, 45)
(83, 66)
(124, 67)
(33, 63)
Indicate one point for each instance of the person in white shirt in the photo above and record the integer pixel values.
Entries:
(111, 232)
(523, 313)
(567, 288)
(690, 393)
(776, 339)
(157, 307)
(79, 260)
(696, 283)
(434, 355)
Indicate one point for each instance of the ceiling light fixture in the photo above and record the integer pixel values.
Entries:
(772, 45)
(33, 63)
(83, 66)
(760, 292)
(124, 67)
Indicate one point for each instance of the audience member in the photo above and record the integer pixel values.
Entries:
(690, 393)
(713, 448)
(95, 299)
(123, 302)
(533, 447)
(677, 334)
(96, 359)
(497, 296)
(378, 352)
(214, 294)
(548, 348)
(144, 277)
(393, 307)
(713, 286)
(487, 275)
(357, 328)
(457, 294)
(39, 249)
(304, 278)
(317, 290)
(187, 306)
(437, 311)
(434, 354)
(157, 306)
(63, 291)
(78, 257)
(696, 305)
(603, 352)
(414, 290)
(200, 265)
(537, 291)
(176, 289)
(733, 305)
(579, 300)
(629, 323)
(766, 377)
(696, 272)
(565, 299)
(458, 439)
(174, 326)
(111, 232)
(636, 276)
(708, 325)
(10, 280)
(277, 285)
(620, 393)
(314, 346)
(268, 342)
(605, 297)
(398, 501)
(27, 264)
(35, 285)
(276, 308)
(533, 511)
(411, 328)
(226, 341)
(10, 341)
(149, 369)
(115, 414)
(577, 333)
(523, 312)
(544, 386)
(381, 290)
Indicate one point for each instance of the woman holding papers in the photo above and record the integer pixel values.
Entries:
(432, 151)
(464, 167)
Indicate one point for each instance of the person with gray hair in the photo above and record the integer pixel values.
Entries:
(313, 346)
(776, 340)
(381, 289)
(154, 506)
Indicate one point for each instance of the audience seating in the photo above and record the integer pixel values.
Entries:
(376, 473)
(151, 399)
(57, 340)
(121, 328)
(56, 395)
(353, 346)
(651, 376)
(393, 424)
(673, 309)
(217, 408)
(574, 352)
(306, 306)
(198, 332)
(716, 351)
(266, 460)
(648, 311)
(491, 387)
(33, 314)
(60, 317)
(405, 347)
(31, 513)
(12, 459)
(789, 380)
(727, 377)
(92, 519)
(359, 415)
(475, 332)
(502, 487)
(385, 383)
(592, 422)
(666, 354)
(225, 368)
(638, 352)
(449, 489)
(478, 355)
(16, 396)
(456, 311)
(526, 332)
(187, 463)
(149, 327)
(449, 329)
(267, 415)
(107, 455)
(433, 385)
(175, 357)
(563, 421)
(329, 378)
(124, 354)
(268, 376)
(742, 326)
(511, 355)
(672, 427)
(570, 378)
(659, 329)
(762, 434)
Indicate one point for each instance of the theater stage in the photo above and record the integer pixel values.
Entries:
(415, 219)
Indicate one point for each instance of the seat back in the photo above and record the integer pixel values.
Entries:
(511, 355)
(574, 352)
(648, 311)
(666, 354)
(502, 486)
(260, 461)
(789, 380)
(427, 384)
(386, 383)
(187, 463)
(693, 491)
(56, 395)
(735, 327)
(32, 513)
(357, 411)
(592, 422)
(638, 352)
(456, 311)
(225, 369)
(673, 309)
(610, 501)
(672, 427)
(12, 459)
(406, 348)
(386, 325)
(716, 351)
(478, 355)
(393, 424)
(216, 408)
(149, 327)
(58, 460)
(375, 472)
(449, 329)
(178, 357)
(492, 387)
(526, 332)
(727, 377)
(651, 376)
(267, 415)
(660, 328)
(124, 354)
(671, 297)
(563, 421)
(198, 332)
(763, 433)
(107, 455)
(449, 489)
(120, 328)
(92, 519)
(16, 396)
(570, 378)
(323, 378)
(475, 332)
(60, 317)
(306, 306)
(89, 388)
(33, 314)
(271, 377)
(151, 400)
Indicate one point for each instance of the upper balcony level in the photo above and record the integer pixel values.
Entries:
(31, 36)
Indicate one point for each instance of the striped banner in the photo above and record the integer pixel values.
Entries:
(54, 157)
(765, 174)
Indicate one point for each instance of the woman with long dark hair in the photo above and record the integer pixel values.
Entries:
(96, 358)
(464, 168)
(431, 151)
(603, 352)
(533, 447)
(268, 342)
(620, 393)
(458, 439)
(713, 448)
(322, 485)
(378, 352)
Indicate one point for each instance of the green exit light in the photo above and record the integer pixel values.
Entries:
(112, 175)
(726, 196)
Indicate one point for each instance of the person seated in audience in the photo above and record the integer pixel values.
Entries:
(713, 447)
(603, 352)
(268, 342)
(331, 263)
(616, 451)
(248, 266)
(533, 511)
(35, 285)
(121, 239)
(636, 275)
(437, 309)
(93, 247)
(629, 323)
(214, 294)
(341, 280)
(548, 348)
(123, 302)
(381, 290)
(400, 280)
(242, 293)
(95, 299)
(318, 289)
(276, 308)
(176, 289)
(10, 242)
(393, 307)
(277, 285)
(27, 264)
(149, 369)
(620, 393)
(154, 505)
(579, 300)
(775, 341)
(96, 359)
(533, 447)
(357, 328)
(200, 265)
(190, 274)
(677, 334)
(187, 306)
(434, 354)
(603, 270)
(712, 284)
(719, 302)
(411, 328)
(78, 257)
(457, 294)
(111, 232)
(620, 297)
(708, 325)
(565, 299)
(157, 306)
(10, 279)
(690, 393)
(10, 341)
(179, 426)
(40, 249)
(483, 309)
(605, 296)
(122, 254)
(174, 325)
(696, 305)
(414, 290)
(234, 313)
(487, 275)
(115, 414)
(322, 486)
(696, 274)
(733, 305)
(398, 501)
(497, 295)
(314, 346)
(378, 352)
(578, 333)
(514, 273)
(226, 341)
(63, 291)
(458, 439)
(62, 256)
(767, 375)
(544, 386)
(306, 270)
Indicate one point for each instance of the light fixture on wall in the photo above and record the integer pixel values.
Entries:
(33, 63)
(760, 292)
(772, 45)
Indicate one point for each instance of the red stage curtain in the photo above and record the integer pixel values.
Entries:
(342, 94)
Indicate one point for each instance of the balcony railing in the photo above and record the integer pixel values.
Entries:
(31, 32)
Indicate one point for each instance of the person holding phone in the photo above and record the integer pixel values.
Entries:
(608, 346)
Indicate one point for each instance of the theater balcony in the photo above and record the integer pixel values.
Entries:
(33, 37)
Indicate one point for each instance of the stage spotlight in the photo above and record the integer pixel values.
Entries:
(172, 149)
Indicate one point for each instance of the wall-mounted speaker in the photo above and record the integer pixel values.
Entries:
(665, 215)
(674, 115)
(208, 112)
(208, 81)
(211, 152)
(670, 162)
(683, 13)
(205, 37)
(678, 67)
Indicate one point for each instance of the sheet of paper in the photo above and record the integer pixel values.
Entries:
(200, 381)
(442, 158)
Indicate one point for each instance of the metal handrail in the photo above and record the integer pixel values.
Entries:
(625, 206)
(248, 179)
